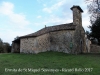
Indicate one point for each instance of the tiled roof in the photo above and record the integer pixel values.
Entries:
(69, 26)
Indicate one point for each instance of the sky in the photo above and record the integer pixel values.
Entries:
(22, 17)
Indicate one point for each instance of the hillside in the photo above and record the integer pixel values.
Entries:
(49, 63)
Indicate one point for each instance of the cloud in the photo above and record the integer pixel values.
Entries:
(59, 20)
(54, 7)
(54, 20)
(17, 19)
(85, 19)
(44, 5)
(17, 23)
(9, 35)
(39, 17)
(65, 15)
(6, 8)
(47, 10)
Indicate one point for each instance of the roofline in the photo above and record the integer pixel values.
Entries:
(76, 6)
(44, 33)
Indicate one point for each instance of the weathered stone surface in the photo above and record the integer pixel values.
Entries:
(60, 40)
(79, 37)
(67, 38)
(77, 19)
(35, 44)
(88, 43)
(55, 41)
(94, 48)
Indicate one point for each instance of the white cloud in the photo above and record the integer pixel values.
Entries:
(6, 8)
(16, 22)
(54, 7)
(17, 19)
(9, 35)
(67, 15)
(58, 20)
(85, 20)
(39, 17)
(44, 5)
(19, 25)
(54, 20)
(47, 10)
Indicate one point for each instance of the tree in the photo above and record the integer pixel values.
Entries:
(6, 47)
(95, 30)
(1, 46)
(16, 37)
(93, 9)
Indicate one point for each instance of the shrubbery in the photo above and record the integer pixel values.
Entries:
(4, 47)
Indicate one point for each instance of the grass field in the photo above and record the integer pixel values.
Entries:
(49, 63)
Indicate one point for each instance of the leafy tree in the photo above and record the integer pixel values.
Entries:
(16, 37)
(4, 47)
(1, 46)
(95, 31)
(94, 11)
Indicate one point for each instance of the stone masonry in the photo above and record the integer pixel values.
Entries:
(94, 48)
(67, 38)
(35, 45)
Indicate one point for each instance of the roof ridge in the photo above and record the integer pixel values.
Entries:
(67, 26)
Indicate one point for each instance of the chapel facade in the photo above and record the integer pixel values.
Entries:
(67, 38)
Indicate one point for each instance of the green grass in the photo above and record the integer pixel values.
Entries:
(49, 60)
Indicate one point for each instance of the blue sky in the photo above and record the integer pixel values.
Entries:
(21, 17)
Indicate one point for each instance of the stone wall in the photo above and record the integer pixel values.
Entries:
(56, 41)
(94, 49)
(79, 37)
(88, 43)
(77, 18)
(61, 40)
(35, 44)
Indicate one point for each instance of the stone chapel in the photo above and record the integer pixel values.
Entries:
(67, 38)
